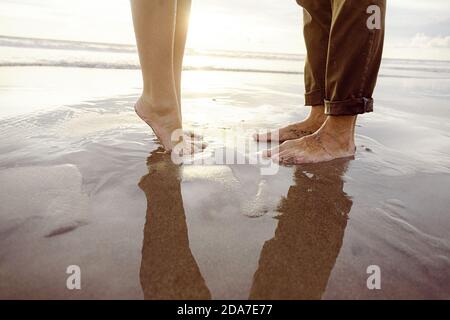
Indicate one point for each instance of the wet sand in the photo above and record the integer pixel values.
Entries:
(84, 183)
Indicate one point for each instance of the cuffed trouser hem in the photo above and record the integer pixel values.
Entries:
(314, 98)
(350, 107)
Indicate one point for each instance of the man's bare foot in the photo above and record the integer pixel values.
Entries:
(334, 140)
(297, 130)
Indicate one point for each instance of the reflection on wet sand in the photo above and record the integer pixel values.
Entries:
(168, 269)
(297, 262)
(67, 156)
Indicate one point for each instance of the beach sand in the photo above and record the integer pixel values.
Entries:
(83, 183)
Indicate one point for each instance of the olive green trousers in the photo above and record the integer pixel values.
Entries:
(344, 43)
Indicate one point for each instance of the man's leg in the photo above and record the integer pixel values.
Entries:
(354, 57)
(316, 30)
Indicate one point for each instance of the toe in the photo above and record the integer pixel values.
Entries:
(286, 158)
(267, 153)
(196, 147)
(275, 158)
(201, 145)
(299, 159)
(271, 152)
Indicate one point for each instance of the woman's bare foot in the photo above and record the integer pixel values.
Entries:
(163, 120)
(297, 130)
(334, 140)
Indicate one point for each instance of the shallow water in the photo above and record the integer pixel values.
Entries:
(84, 183)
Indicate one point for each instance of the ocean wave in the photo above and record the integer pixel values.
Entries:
(34, 43)
(125, 66)
(20, 42)
(123, 56)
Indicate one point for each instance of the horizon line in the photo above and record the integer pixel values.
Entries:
(192, 50)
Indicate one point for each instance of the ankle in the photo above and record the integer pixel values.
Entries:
(159, 106)
(341, 129)
(317, 115)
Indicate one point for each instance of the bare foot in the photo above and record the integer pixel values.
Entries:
(332, 141)
(297, 130)
(163, 120)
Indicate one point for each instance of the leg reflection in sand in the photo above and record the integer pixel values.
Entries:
(297, 262)
(168, 269)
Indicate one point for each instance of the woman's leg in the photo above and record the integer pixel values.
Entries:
(154, 25)
(181, 31)
(168, 267)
